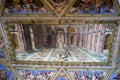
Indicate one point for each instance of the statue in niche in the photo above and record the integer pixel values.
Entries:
(61, 51)
(60, 40)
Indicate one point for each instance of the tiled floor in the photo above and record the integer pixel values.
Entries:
(73, 55)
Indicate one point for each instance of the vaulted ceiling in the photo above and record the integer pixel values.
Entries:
(59, 12)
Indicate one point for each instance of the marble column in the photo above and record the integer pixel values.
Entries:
(32, 36)
(21, 37)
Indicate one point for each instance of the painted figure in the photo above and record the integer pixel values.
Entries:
(60, 40)
(84, 76)
(94, 77)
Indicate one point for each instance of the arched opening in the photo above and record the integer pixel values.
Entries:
(107, 41)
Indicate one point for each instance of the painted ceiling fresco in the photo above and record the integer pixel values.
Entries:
(71, 43)
(59, 7)
(62, 75)
(116, 75)
(59, 41)
(88, 74)
(6, 74)
(2, 52)
(93, 7)
(2, 47)
(24, 7)
(31, 74)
